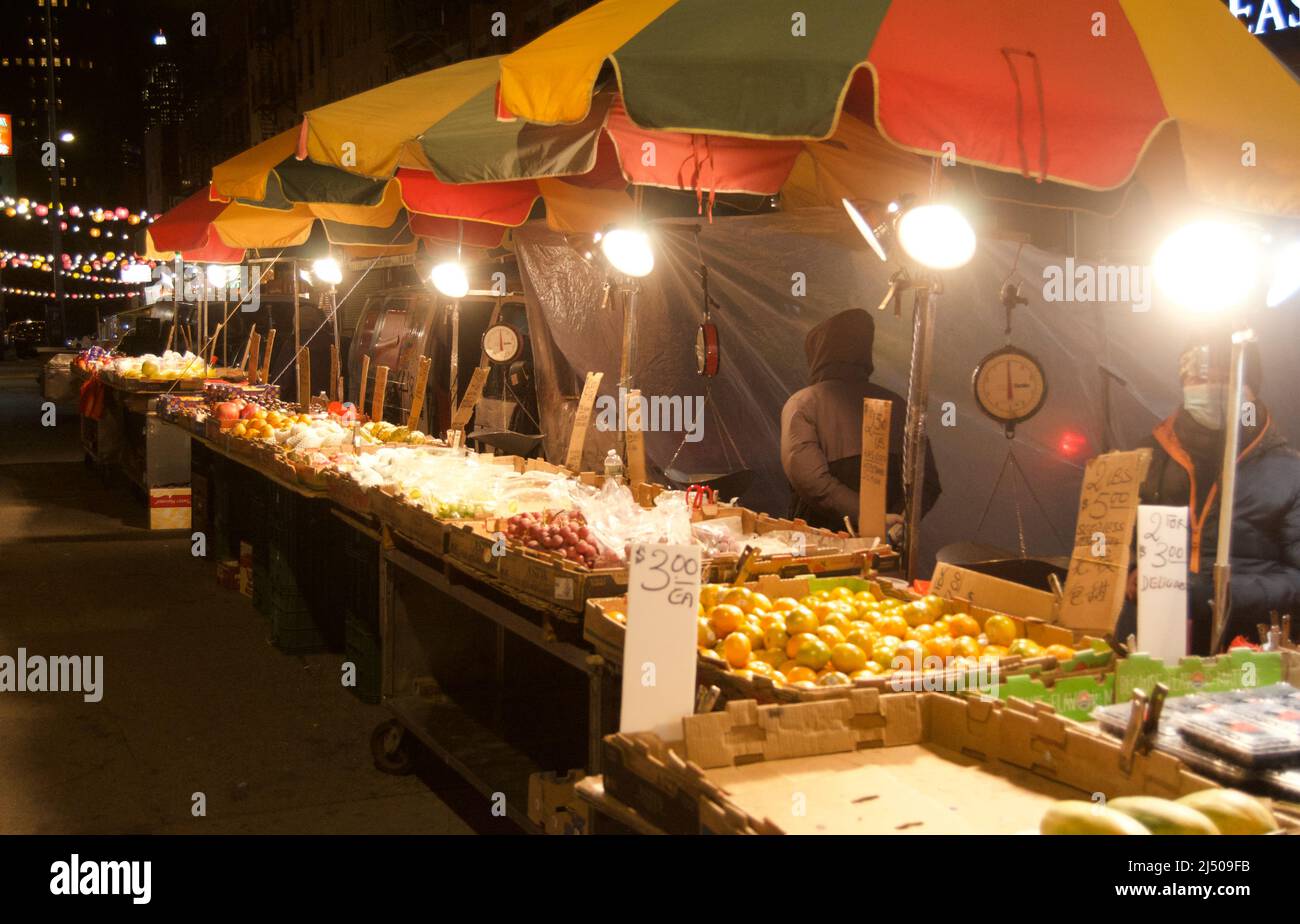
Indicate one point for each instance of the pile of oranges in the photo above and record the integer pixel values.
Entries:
(836, 636)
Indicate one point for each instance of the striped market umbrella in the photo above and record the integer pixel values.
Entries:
(1071, 91)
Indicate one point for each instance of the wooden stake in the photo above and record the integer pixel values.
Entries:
(304, 379)
(334, 373)
(171, 336)
(248, 351)
(265, 374)
(473, 392)
(417, 396)
(581, 418)
(381, 391)
(636, 471)
(251, 357)
(365, 375)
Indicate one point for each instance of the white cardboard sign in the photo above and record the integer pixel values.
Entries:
(659, 650)
(1162, 582)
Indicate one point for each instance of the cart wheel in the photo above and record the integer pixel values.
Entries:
(391, 750)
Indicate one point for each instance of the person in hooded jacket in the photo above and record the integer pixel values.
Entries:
(821, 427)
(1186, 465)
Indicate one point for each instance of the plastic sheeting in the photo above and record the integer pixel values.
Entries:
(776, 276)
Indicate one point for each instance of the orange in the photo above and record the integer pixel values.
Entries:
(965, 646)
(741, 597)
(776, 637)
(862, 675)
(913, 655)
(705, 636)
(824, 610)
(768, 620)
(848, 658)
(782, 604)
(1061, 653)
(800, 674)
(833, 679)
(809, 600)
(830, 635)
(839, 621)
(761, 601)
(711, 654)
(963, 624)
(726, 618)
(994, 651)
(814, 653)
(709, 595)
(892, 625)
(792, 646)
(841, 593)
(863, 638)
(787, 666)
(801, 620)
(1000, 629)
(864, 596)
(921, 633)
(773, 657)
(762, 667)
(755, 632)
(917, 613)
(940, 646)
(1026, 648)
(883, 651)
(736, 649)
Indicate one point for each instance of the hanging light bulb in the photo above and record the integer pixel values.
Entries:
(937, 236)
(450, 279)
(1207, 266)
(628, 250)
(327, 270)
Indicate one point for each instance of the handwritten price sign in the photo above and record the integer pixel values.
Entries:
(659, 650)
(1162, 581)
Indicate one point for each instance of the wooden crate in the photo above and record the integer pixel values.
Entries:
(876, 763)
(606, 633)
(344, 491)
(416, 524)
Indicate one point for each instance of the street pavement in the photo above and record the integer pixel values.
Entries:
(195, 699)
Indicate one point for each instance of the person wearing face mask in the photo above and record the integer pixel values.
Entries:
(1186, 462)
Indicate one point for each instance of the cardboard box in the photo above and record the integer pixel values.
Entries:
(1236, 670)
(876, 763)
(955, 583)
(169, 508)
(554, 806)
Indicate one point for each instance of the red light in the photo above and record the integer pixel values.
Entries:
(1072, 443)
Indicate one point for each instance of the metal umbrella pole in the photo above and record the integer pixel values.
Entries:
(1231, 449)
(914, 437)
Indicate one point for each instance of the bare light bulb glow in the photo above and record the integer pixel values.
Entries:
(937, 236)
(1286, 275)
(449, 278)
(865, 229)
(628, 251)
(327, 270)
(1207, 266)
(216, 275)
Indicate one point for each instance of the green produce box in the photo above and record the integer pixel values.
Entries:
(1237, 670)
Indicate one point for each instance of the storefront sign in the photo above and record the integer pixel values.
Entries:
(1264, 17)
(6, 135)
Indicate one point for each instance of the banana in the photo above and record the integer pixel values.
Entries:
(1078, 817)
(1161, 816)
(1232, 811)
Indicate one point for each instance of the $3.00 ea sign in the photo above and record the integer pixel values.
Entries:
(659, 649)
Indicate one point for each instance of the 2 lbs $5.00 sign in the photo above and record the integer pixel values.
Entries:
(659, 648)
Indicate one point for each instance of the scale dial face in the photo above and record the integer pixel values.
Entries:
(502, 343)
(707, 353)
(1010, 385)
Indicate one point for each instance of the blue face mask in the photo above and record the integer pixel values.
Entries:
(1206, 404)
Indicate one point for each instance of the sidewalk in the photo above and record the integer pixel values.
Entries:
(194, 697)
